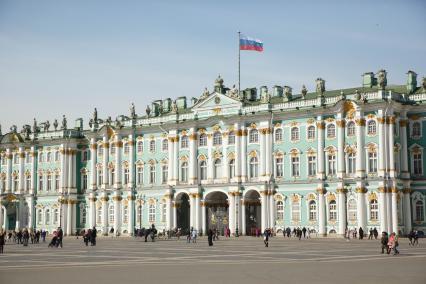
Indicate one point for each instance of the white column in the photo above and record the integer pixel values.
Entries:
(268, 158)
(174, 215)
(197, 212)
(407, 210)
(395, 210)
(238, 212)
(391, 140)
(320, 148)
(92, 208)
(1, 215)
(382, 209)
(9, 157)
(131, 214)
(193, 163)
(403, 138)
(244, 155)
(243, 218)
(104, 200)
(176, 159)
(93, 159)
(361, 210)
(340, 146)
(360, 139)
(321, 211)
(64, 172)
(171, 152)
(342, 210)
(21, 169)
(117, 209)
(70, 169)
(31, 208)
(132, 166)
(271, 210)
(210, 158)
(262, 160)
(118, 151)
(238, 151)
(69, 218)
(105, 171)
(203, 218)
(263, 205)
(191, 210)
(64, 212)
(381, 148)
(388, 196)
(74, 218)
(169, 220)
(33, 169)
(231, 202)
(225, 171)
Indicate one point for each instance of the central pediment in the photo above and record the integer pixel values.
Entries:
(216, 104)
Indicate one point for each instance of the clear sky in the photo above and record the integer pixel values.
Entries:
(67, 57)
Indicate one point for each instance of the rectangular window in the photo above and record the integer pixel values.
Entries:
(312, 165)
(417, 164)
(372, 162)
(57, 179)
(331, 165)
(140, 176)
(279, 167)
(295, 166)
(165, 175)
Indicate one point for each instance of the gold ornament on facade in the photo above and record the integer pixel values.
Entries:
(92, 199)
(381, 120)
(414, 117)
(193, 136)
(394, 189)
(217, 110)
(341, 123)
(310, 121)
(341, 190)
(131, 197)
(360, 121)
(407, 190)
(239, 133)
(295, 198)
(310, 196)
(184, 132)
(202, 157)
(183, 158)
(330, 119)
(253, 154)
(321, 190)
(151, 201)
(93, 146)
(117, 198)
(403, 123)
(104, 198)
(331, 197)
(294, 123)
(372, 196)
(371, 116)
(294, 152)
(118, 144)
(253, 125)
(381, 189)
(105, 145)
(320, 125)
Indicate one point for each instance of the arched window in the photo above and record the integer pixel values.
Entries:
(49, 157)
(278, 135)
(27, 182)
(184, 172)
(16, 182)
(311, 132)
(231, 138)
(371, 127)
(111, 176)
(111, 215)
(41, 157)
(203, 170)
(331, 131)
(254, 167)
(47, 217)
(139, 146)
(232, 168)
(202, 141)
(217, 138)
(374, 210)
(312, 210)
(165, 145)
(352, 214)
(254, 136)
(295, 166)
(420, 213)
(152, 145)
(84, 155)
(415, 129)
(279, 169)
(184, 142)
(125, 214)
(280, 211)
(40, 182)
(217, 170)
(294, 134)
(152, 174)
(56, 156)
(295, 211)
(332, 208)
(350, 128)
(151, 213)
(312, 165)
(126, 176)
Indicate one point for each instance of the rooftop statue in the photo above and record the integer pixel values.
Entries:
(132, 111)
(64, 122)
(264, 96)
(205, 94)
(26, 130)
(55, 124)
(381, 79)
(118, 123)
(424, 83)
(304, 91)
(13, 129)
(320, 86)
(234, 93)
(35, 128)
(108, 120)
(0, 129)
(287, 92)
(46, 126)
(174, 107)
(95, 115)
(148, 110)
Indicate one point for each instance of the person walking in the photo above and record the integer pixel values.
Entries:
(375, 233)
(384, 242)
(194, 236)
(2, 240)
(266, 237)
(361, 233)
(60, 237)
(304, 232)
(93, 237)
(210, 237)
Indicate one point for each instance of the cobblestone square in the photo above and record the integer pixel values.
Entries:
(242, 260)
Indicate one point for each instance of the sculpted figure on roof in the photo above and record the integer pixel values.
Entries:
(64, 122)
(320, 86)
(304, 91)
(132, 111)
(381, 79)
(55, 124)
(424, 83)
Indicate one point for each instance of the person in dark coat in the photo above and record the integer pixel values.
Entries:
(93, 237)
(210, 237)
(2, 240)
(266, 237)
(361, 233)
(384, 242)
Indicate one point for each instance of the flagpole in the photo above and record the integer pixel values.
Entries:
(239, 64)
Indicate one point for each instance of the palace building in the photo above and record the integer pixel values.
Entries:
(327, 160)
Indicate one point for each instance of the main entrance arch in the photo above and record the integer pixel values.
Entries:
(217, 211)
(253, 212)
(182, 211)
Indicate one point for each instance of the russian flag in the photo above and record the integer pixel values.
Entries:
(247, 43)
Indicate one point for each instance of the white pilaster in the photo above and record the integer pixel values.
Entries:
(238, 151)
(132, 168)
(197, 212)
(93, 159)
(9, 157)
(243, 218)
(403, 138)
(203, 217)
(382, 209)
(31, 209)
(360, 140)
(131, 213)
(263, 204)
(320, 148)
(407, 210)
(271, 210)
(231, 202)
(21, 169)
(381, 148)
(33, 169)
(68, 231)
(243, 154)
(210, 158)
(191, 210)
(174, 215)
(104, 200)
(361, 209)
(340, 146)
(395, 226)
(321, 211)
(117, 209)
(341, 193)
(118, 168)
(172, 161)
(193, 163)
(391, 141)
(105, 170)
(92, 208)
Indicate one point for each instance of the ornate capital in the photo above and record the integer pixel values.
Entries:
(131, 197)
(321, 190)
(320, 125)
(381, 189)
(193, 136)
(360, 121)
(93, 146)
(93, 199)
(361, 190)
(104, 198)
(391, 120)
(403, 123)
(341, 190)
(117, 198)
(118, 144)
(394, 189)
(105, 145)
(407, 190)
(381, 120)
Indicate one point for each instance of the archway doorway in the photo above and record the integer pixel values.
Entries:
(253, 212)
(182, 211)
(217, 211)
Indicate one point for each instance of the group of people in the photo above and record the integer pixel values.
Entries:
(413, 237)
(297, 232)
(89, 235)
(57, 238)
(389, 243)
(192, 236)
